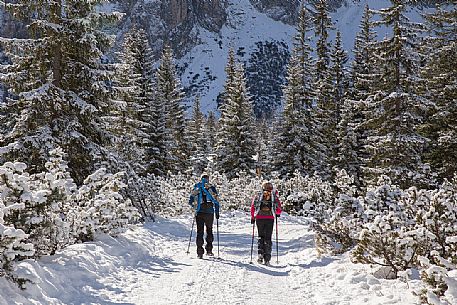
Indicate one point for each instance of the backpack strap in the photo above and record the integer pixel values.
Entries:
(210, 194)
(257, 201)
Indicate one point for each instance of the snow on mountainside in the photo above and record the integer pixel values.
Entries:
(203, 66)
(205, 63)
(201, 33)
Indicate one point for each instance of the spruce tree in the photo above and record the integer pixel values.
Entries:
(340, 83)
(170, 94)
(293, 145)
(59, 85)
(394, 146)
(440, 83)
(325, 106)
(135, 94)
(363, 73)
(196, 135)
(264, 153)
(236, 144)
(211, 127)
(297, 149)
(352, 130)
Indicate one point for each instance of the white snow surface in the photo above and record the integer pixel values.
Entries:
(149, 265)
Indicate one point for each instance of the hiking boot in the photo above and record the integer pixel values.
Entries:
(210, 253)
(200, 255)
(267, 263)
(260, 259)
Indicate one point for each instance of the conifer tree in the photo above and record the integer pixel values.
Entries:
(347, 141)
(293, 145)
(339, 73)
(325, 107)
(440, 78)
(236, 144)
(170, 94)
(196, 136)
(229, 69)
(395, 147)
(212, 127)
(59, 83)
(296, 149)
(363, 73)
(352, 132)
(339, 93)
(135, 93)
(159, 139)
(264, 153)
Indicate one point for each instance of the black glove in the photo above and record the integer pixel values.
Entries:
(217, 215)
(252, 221)
(278, 215)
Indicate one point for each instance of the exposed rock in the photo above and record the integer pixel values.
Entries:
(174, 22)
(385, 272)
(285, 11)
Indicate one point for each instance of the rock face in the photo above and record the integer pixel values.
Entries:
(285, 11)
(10, 27)
(174, 22)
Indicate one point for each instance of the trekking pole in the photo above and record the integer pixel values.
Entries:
(277, 251)
(217, 227)
(190, 237)
(252, 243)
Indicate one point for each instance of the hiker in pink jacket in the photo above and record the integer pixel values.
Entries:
(265, 207)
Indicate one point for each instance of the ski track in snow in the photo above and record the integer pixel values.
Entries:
(299, 278)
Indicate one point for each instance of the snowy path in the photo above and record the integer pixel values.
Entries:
(149, 265)
(299, 278)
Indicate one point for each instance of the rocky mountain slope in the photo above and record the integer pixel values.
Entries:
(202, 31)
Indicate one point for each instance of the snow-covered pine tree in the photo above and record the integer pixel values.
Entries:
(235, 146)
(102, 207)
(394, 145)
(350, 153)
(298, 145)
(196, 136)
(339, 233)
(264, 153)
(351, 131)
(13, 241)
(388, 236)
(135, 92)
(331, 108)
(440, 219)
(363, 72)
(47, 227)
(292, 147)
(325, 106)
(440, 76)
(159, 139)
(439, 260)
(33, 207)
(339, 72)
(170, 95)
(229, 80)
(59, 82)
(212, 127)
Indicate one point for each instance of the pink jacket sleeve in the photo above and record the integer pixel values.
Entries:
(278, 204)
(253, 208)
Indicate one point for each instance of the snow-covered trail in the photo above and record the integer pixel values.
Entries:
(149, 265)
(300, 277)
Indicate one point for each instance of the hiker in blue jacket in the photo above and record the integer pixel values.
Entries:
(204, 201)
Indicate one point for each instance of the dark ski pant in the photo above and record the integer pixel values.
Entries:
(204, 219)
(265, 230)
